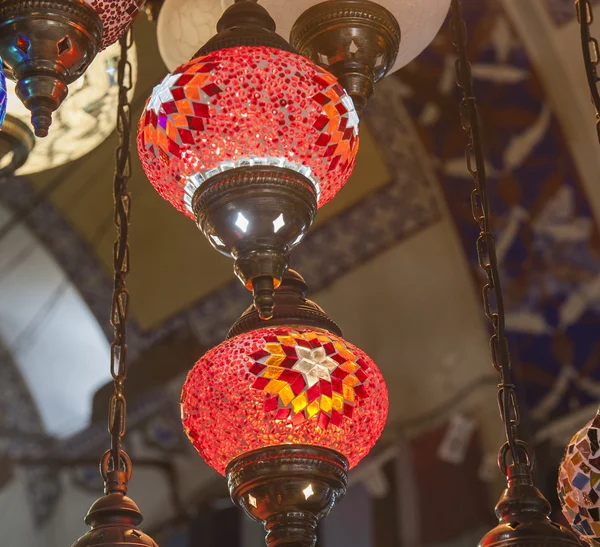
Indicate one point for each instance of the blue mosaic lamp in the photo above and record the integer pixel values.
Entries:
(3, 95)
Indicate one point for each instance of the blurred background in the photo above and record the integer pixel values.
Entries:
(392, 260)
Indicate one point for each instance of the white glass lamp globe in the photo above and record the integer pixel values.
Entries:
(86, 117)
(184, 26)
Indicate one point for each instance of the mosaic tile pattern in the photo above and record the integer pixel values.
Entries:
(247, 106)
(117, 16)
(579, 481)
(3, 96)
(309, 375)
(548, 241)
(281, 385)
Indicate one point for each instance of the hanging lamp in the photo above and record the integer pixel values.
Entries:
(114, 518)
(579, 471)
(249, 138)
(86, 120)
(522, 511)
(47, 45)
(284, 409)
(360, 41)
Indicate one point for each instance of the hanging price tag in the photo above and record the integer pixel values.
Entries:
(453, 447)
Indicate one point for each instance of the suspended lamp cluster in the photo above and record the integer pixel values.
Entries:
(48, 44)
(249, 138)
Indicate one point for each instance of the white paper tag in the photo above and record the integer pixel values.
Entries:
(453, 447)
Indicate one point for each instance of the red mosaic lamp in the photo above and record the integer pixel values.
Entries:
(48, 44)
(249, 139)
(301, 405)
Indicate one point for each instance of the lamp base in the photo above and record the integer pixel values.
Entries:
(523, 516)
(356, 40)
(46, 45)
(289, 488)
(256, 215)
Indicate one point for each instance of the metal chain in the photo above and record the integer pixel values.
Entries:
(486, 248)
(117, 418)
(589, 46)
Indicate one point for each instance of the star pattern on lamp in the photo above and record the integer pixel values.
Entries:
(309, 376)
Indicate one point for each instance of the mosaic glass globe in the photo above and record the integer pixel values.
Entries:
(247, 106)
(281, 385)
(579, 481)
(116, 15)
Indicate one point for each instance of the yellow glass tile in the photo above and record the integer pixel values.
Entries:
(310, 335)
(338, 402)
(286, 395)
(300, 403)
(180, 119)
(192, 93)
(348, 393)
(172, 131)
(185, 107)
(287, 340)
(275, 360)
(273, 372)
(275, 386)
(275, 349)
(326, 404)
(313, 408)
(577, 458)
(198, 80)
(344, 352)
(323, 339)
(596, 528)
(350, 380)
(349, 367)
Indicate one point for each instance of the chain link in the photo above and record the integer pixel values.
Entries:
(117, 418)
(591, 54)
(486, 248)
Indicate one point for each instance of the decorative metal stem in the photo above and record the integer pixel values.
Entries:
(486, 246)
(591, 53)
(114, 518)
(120, 302)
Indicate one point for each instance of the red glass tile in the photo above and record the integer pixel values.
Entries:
(271, 403)
(336, 385)
(186, 136)
(313, 392)
(282, 414)
(328, 347)
(260, 383)
(323, 420)
(257, 368)
(211, 89)
(321, 98)
(336, 418)
(298, 385)
(325, 387)
(341, 108)
(201, 110)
